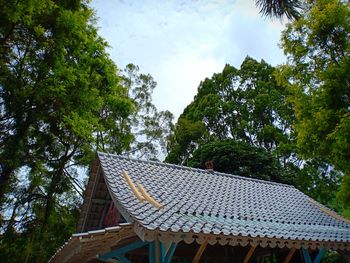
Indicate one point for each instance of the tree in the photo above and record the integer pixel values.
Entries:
(62, 98)
(277, 8)
(318, 75)
(242, 120)
(150, 128)
(243, 104)
(58, 87)
(56, 79)
(237, 158)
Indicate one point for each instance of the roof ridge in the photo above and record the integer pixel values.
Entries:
(194, 169)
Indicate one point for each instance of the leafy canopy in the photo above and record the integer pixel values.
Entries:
(242, 120)
(61, 99)
(318, 76)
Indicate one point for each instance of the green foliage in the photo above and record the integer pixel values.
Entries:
(272, 8)
(242, 120)
(61, 99)
(334, 257)
(55, 77)
(318, 76)
(242, 104)
(150, 127)
(249, 161)
(185, 139)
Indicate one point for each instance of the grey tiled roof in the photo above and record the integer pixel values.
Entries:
(200, 201)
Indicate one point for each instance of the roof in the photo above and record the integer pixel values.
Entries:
(83, 247)
(203, 205)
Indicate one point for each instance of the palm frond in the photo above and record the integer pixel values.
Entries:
(278, 8)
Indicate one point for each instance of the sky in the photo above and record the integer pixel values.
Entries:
(180, 43)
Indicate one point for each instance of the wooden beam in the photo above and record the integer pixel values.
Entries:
(249, 254)
(149, 198)
(200, 251)
(123, 259)
(151, 252)
(307, 257)
(132, 186)
(320, 255)
(170, 253)
(121, 251)
(290, 255)
(162, 251)
(157, 252)
(99, 201)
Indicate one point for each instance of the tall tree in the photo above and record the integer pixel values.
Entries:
(239, 158)
(150, 127)
(62, 98)
(242, 120)
(56, 82)
(243, 104)
(318, 74)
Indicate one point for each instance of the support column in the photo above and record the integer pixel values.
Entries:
(151, 250)
(157, 252)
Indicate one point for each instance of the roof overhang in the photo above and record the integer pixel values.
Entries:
(83, 247)
(212, 239)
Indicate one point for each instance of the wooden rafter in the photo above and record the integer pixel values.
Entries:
(249, 254)
(290, 255)
(199, 253)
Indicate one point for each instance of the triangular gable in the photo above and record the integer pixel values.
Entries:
(98, 211)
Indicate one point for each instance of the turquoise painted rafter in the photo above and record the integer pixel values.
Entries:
(155, 256)
(317, 259)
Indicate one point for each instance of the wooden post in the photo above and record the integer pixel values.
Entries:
(200, 251)
(249, 254)
(290, 255)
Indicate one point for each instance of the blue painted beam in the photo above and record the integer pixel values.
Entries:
(317, 259)
(170, 253)
(306, 256)
(162, 252)
(151, 252)
(320, 255)
(121, 251)
(123, 259)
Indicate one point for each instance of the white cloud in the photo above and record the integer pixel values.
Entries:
(178, 78)
(181, 43)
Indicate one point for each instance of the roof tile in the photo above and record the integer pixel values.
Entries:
(211, 202)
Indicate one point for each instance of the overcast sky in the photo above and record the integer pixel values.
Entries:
(181, 43)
